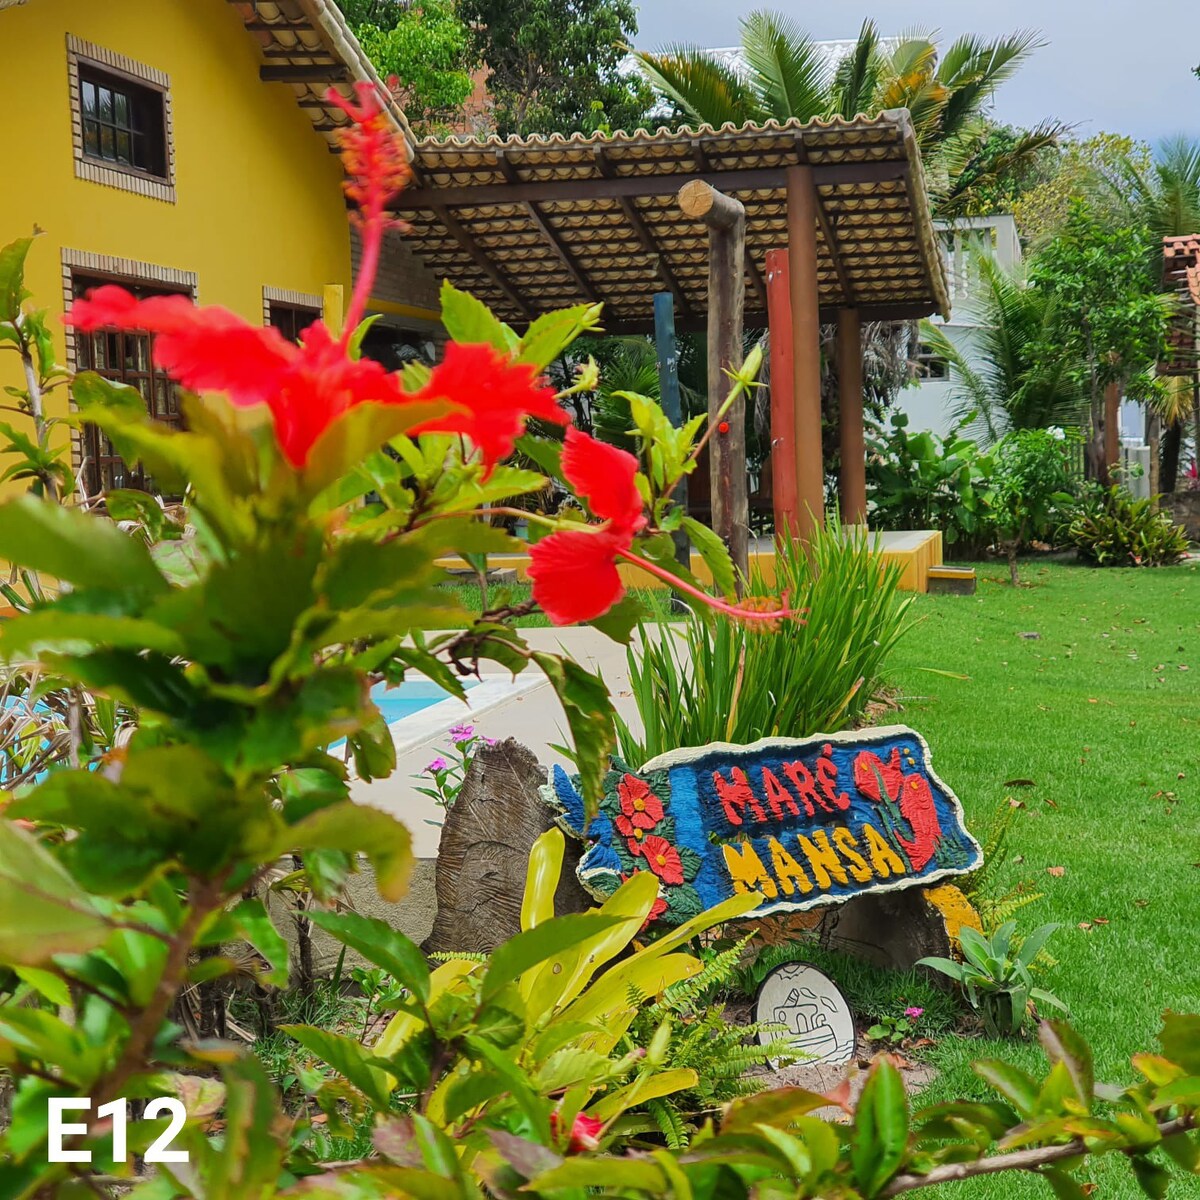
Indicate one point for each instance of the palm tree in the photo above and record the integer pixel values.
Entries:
(787, 75)
(1012, 382)
(1164, 197)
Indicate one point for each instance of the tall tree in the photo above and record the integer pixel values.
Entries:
(555, 65)
(1110, 315)
(785, 74)
(427, 47)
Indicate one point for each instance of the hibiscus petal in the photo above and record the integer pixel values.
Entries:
(495, 393)
(574, 574)
(604, 476)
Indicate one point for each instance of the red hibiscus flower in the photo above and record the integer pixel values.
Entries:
(663, 859)
(308, 387)
(574, 571)
(585, 1132)
(640, 807)
(496, 394)
(656, 910)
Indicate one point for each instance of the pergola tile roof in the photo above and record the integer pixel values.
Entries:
(530, 224)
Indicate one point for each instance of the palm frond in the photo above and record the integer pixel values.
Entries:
(972, 69)
(705, 89)
(789, 70)
(856, 79)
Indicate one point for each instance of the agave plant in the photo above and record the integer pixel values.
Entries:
(996, 976)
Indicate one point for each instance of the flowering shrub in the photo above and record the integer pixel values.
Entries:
(447, 772)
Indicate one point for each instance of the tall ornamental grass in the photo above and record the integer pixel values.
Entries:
(714, 679)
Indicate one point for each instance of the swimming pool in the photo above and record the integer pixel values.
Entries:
(411, 697)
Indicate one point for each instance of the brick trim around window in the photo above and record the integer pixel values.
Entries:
(128, 179)
(274, 295)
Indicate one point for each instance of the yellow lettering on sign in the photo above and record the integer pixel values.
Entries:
(843, 839)
(883, 858)
(823, 859)
(747, 872)
(791, 873)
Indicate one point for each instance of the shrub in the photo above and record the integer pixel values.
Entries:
(917, 480)
(1032, 480)
(715, 680)
(1109, 528)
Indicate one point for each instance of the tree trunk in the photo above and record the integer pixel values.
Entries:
(1171, 443)
(1153, 437)
(1010, 549)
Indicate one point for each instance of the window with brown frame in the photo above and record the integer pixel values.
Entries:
(123, 356)
(124, 122)
(291, 319)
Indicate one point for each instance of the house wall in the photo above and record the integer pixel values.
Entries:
(257, 195)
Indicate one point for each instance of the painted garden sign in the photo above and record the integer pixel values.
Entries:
(805, 822)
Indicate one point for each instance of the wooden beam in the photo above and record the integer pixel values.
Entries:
(642, 231)
(725, 219)
(852, 478)
(259, 26)
(784, 493)
(568, 260)
(806, 346)
(756, 279)
(829, 233)
(330, 73)
(613, 185)
(481, 260)
(755, 319)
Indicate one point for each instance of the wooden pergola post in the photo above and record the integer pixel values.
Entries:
(806, 346)
(725, 219)
(852, 481)
(783, 410)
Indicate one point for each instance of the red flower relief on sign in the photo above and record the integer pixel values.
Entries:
(640, 807)
(663, 859)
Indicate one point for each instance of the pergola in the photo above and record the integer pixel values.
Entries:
(824, 222)
(1181, 275)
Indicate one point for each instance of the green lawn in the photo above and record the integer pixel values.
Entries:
(1102, 712)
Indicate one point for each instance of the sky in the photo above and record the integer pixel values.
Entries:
(1110, 65)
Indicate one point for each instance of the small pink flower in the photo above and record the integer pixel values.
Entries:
(913, 1012)
(438, 764)
(461, 733)
(487, 741)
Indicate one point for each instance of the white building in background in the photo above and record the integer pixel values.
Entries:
(930, 401)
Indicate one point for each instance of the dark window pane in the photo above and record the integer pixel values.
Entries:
(124, 149)
(107, 143)
(124, 123)
(91, 137)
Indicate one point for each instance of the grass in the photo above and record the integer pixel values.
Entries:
(1102, 712)
(656, 600)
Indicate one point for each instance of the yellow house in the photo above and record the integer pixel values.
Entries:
(181, 146)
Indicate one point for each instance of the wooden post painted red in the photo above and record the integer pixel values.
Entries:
(806, 346)
(783, 410)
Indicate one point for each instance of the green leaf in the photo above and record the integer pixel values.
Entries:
(380, 944)
(254, 923)
(87, 551)
(43, 911)
(347, 1057)
(1153, 1178)
(12, 279)
(552, 333)
(1017, 1087)
(589, 713)
(1063, 1044)
(532, 946)
(1180, 1040)
(622, 619)
(469, 320)
(53, 630)
(1064, 1186)
(880, 1138)
(715, 555)
(352, 828)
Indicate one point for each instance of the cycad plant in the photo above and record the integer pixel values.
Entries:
(719, 681)
(784, 74)
(1009, 382)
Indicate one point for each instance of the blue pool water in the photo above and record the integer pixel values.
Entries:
(410, 697)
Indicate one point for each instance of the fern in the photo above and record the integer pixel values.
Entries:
(670, 1123)
(981, 886)
(749, 977)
